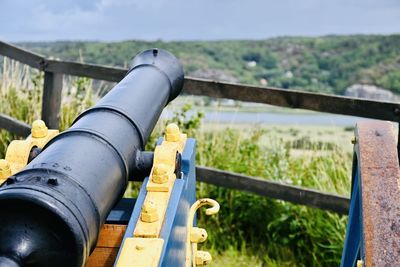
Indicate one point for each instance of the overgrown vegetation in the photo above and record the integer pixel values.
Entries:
(325, 64)
(276, 233)
(249, 230)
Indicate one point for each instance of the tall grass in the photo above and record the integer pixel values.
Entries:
(275, 231)
(249, 230)
(21, 90)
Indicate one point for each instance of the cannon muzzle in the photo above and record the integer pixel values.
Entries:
(52, 211)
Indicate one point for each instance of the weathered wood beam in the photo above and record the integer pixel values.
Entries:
(51, 99)
(14, 126)
(295, 99)
(262, 187)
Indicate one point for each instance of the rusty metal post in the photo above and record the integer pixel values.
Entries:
(373, 231)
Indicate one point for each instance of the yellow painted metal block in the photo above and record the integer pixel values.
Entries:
(17, 154)
(141, 252)
(180, 145)
(164, 187)
(5, 170)
(159, 187)
(165, 154)
(152, 229)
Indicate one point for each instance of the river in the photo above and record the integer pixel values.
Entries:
(293, 118)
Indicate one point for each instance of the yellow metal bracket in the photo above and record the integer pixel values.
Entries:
(197, 235)
(160, 183)
(18, 151)
(159, 187)
(145, 247)
(143, 252)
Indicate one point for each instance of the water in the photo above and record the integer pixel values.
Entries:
(294, 118)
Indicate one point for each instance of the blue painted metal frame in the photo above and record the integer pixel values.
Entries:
(182, 197)
(353, 249)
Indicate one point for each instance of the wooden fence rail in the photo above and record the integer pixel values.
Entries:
(14, 126)
(54, 71)
(262, 187)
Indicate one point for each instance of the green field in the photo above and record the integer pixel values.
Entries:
(249, 230)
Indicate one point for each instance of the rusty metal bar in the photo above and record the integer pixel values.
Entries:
(375, 203)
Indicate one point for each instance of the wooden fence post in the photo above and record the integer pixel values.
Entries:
(51, 102)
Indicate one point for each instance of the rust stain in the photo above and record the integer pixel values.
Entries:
(380, 178)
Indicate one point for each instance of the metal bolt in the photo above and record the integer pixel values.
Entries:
(172, 133)
(202, 258)
(39, 129)
(198, 235)
(149, 212)
(354, 140)
(160, 174)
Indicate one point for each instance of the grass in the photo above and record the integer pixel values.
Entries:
(249, 230)
(274, 230)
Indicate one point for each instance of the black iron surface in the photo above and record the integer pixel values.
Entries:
(52, 211)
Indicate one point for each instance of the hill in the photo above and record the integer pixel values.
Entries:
(327, 64)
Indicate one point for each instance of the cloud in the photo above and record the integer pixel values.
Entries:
(192, 19)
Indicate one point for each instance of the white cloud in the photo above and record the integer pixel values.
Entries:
(192, 19)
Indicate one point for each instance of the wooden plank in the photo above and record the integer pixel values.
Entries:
(14, 126)
(102, 257)
(111, 235)
(86, 70)
(106, 251)
(295, 99)
(37, 61)
(51, 102)
(22, 55)
(262, 187)
(203, 87)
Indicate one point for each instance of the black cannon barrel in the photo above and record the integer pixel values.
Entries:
(52, 211)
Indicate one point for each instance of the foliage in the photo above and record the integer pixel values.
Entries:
(325, 64)
(277, 233)
(188, 124)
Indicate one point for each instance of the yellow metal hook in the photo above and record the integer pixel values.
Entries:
(197, 235)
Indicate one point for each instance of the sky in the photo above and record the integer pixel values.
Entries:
(115, 20)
